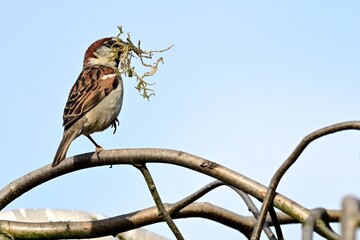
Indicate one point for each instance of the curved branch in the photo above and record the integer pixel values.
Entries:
(141, 156)
(271, 194)
(122, 223)
(195, 196)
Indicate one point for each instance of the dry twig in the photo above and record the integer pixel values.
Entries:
(128, 51)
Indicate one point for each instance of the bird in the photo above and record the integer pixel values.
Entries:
(96, 98)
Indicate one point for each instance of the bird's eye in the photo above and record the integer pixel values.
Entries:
(112, 44)
(109, 43)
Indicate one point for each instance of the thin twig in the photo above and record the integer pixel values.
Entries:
(163, 213)
(268, 201)
(195, 196)
(274, 218)
(253, 209)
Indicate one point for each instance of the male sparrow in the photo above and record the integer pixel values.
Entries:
(95, 100)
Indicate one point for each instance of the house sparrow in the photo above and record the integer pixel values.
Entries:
(95, 100)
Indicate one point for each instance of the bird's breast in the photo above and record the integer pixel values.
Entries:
(104, 114)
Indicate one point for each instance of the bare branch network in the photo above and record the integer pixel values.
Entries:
(288, 212)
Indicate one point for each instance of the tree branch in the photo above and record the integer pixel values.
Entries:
(122, 223)
(271, 193)
(195, 196)
(141, 156)
(154, 193)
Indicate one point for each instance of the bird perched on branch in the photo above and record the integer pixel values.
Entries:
(95, 100)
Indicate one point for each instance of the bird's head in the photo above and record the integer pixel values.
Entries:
(104, 51)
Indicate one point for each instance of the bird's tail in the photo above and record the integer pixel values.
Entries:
(68, 137)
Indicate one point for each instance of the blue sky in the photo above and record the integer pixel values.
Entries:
(244, 83)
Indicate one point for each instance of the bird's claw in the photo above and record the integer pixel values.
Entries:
(114, 124)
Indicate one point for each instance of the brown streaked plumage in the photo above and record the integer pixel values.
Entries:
(88, 91)
(95, 100)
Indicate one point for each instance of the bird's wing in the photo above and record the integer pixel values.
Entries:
(92, 86)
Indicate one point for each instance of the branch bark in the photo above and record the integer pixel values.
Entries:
(142, 156)
(122, 223)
